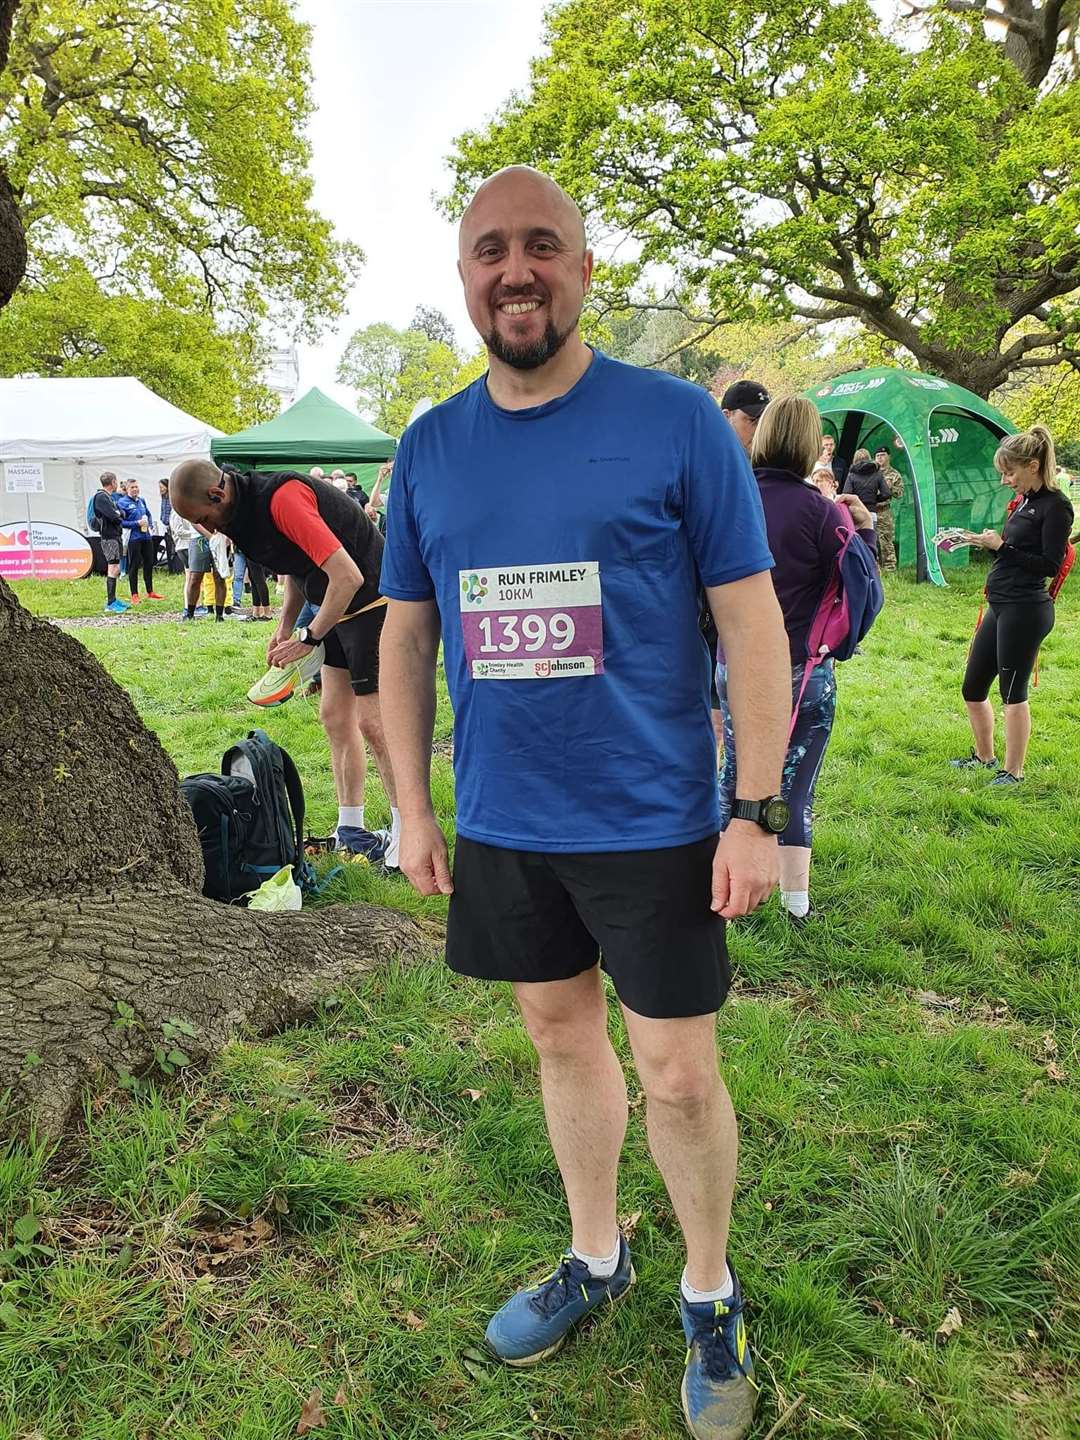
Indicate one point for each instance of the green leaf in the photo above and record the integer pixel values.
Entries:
(26, 1229)
(9, 1315)
(181, 1027)
(178, 1058)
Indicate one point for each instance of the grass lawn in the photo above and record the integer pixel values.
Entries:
(342, 1205)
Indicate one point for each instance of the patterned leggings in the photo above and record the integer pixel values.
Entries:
(805, 752)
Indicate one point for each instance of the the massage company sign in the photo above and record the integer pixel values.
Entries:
(57, 554)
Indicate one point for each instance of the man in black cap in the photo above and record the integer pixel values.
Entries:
(742, 404)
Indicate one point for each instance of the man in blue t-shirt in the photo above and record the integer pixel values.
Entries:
(584, 757)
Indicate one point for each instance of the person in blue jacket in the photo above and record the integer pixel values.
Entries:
(142, 542)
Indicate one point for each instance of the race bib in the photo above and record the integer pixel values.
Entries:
(541, 622)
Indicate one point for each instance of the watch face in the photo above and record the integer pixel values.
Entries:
(777, 815)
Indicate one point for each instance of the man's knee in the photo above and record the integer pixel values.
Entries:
(563, 1031)
(687, 1085)
(338, 716)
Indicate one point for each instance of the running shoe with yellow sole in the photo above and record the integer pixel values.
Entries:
(279, 683)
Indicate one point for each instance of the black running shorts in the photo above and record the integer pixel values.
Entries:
(353, 645)
(527, 916)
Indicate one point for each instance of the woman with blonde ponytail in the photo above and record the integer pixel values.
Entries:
(1019, 611)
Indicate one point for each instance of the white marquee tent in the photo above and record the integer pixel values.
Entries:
(78, 428)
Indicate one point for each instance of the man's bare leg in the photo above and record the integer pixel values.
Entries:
(692, 1133)
(584, 1092)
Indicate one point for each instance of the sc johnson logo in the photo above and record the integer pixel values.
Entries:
(561, 667)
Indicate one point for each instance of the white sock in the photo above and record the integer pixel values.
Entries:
(602, 1266)
(796, 902)
(391, 856)
(351, 815)
(725, 1290)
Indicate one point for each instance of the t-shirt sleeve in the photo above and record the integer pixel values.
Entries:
(404, 576)
(295, 512)
(721, 504)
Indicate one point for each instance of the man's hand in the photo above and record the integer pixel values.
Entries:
(423, 856)
(746, 869)
(371, 512)
(860, 515)
(289, 652)
(278, 639)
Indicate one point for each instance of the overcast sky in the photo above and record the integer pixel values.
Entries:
(395, 81)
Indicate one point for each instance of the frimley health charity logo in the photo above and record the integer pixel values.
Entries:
(474, 588)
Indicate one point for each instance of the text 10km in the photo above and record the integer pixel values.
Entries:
(534, 634)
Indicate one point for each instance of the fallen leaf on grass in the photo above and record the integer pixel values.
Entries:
(950, 1325)
(1049, 1044)
(473, 1094)
(933, 1001)
(340, 1397)
(312, 1415)
(1055, 1072)
(629, 1223)
(414, 1321)
(476, 1364)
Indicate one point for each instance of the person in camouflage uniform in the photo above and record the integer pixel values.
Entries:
(886, 523)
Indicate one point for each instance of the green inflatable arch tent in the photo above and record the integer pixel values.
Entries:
(947, 437)
(314, 431)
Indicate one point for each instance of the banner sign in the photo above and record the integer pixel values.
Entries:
(58, 553)
(24, 477)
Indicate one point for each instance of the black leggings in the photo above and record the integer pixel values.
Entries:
(1005, 645)
(260, 593)
(141, 552)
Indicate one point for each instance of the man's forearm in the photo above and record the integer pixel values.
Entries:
(333, 605)
(407, 702)
(758, 661)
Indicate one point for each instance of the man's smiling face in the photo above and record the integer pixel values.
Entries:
(524, 266)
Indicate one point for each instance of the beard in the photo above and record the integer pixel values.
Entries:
(531, 354)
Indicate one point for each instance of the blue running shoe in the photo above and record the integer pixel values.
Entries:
(369, 843)
(1006, 777)
(116, 607)
(534, 1323)
(719, 1391)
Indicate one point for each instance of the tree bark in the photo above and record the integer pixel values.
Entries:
(94, 912)
(12, 237)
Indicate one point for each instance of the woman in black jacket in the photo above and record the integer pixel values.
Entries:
(1019, 612)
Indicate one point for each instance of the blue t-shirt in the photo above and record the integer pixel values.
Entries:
(565, 546)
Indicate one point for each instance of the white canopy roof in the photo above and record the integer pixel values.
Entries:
(95, 419)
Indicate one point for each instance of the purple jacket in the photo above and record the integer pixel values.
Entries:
(801, 525)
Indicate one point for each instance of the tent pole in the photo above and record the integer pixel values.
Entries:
(30, 538)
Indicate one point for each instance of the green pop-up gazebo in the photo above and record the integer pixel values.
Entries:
(942, 439)
(314, 431)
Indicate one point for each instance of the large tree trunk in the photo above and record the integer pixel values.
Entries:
(12, 238)
(95, 913)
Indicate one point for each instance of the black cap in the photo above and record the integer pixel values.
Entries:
(747, 396)
(882, 450)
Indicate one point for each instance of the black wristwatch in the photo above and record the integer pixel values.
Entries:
(772, 813)
(305, 637)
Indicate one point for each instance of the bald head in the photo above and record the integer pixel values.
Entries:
(200, 491)
(522, 181)
(523, 260)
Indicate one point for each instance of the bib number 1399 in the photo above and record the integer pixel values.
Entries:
(506, 634)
